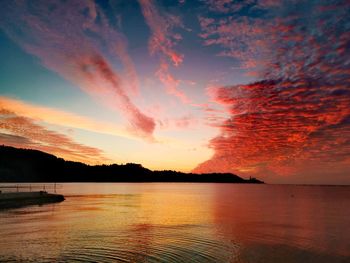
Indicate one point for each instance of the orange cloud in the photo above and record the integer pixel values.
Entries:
(23, 132)
(62, 118)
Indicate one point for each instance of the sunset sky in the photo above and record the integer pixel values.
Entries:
(257, 88)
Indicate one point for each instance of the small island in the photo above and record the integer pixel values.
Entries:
(26, 165)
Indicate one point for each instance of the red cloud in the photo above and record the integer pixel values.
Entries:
(282, 127)
(58, 35)
(162, 40)
(296, 121)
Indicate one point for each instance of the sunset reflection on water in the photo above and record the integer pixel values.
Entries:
(181, 223)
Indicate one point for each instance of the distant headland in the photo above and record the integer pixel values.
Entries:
(26, 165)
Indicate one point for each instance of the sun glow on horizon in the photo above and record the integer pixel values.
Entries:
(257, 88)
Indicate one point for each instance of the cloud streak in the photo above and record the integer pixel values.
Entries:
(162, 43)
(163, 39)
(62, 118)
(19, 131)
(71, 40)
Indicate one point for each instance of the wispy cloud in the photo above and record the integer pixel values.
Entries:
(171, 83)
(242, 38)
(163, 39)
(70, 38)
(162, 43)
(62, 118)
(226, 6)
(273, 30)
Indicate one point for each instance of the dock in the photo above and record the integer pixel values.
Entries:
(20, 199)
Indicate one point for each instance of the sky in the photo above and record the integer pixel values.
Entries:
(256, 88)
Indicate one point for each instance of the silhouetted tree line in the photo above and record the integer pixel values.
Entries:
(26, 165)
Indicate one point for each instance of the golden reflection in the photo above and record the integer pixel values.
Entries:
(181, 223)
(174, 209)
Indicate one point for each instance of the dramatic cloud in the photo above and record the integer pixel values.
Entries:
(162, 43)
(278, 127)
(23, 132)
(74, 39)
(296, 122)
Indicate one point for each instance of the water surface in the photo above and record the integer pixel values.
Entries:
(179, 222)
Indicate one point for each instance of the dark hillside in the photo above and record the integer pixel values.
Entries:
(25, 165)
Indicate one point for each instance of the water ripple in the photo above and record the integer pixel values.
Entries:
(152, 244)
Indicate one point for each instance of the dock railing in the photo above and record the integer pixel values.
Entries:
(29, 187)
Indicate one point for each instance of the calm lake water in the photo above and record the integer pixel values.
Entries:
(179, 222)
